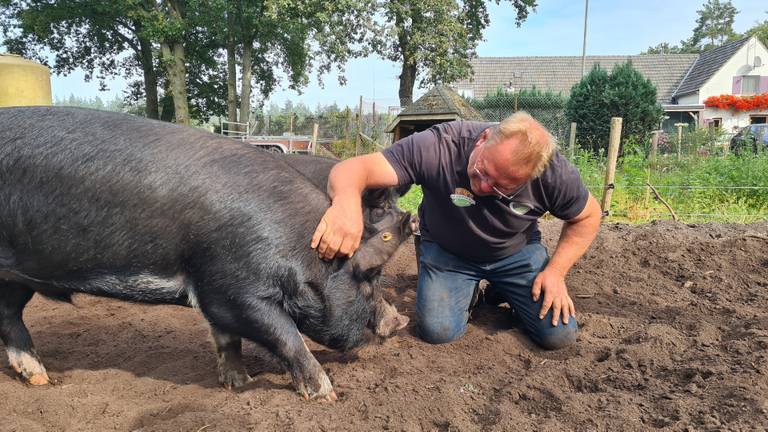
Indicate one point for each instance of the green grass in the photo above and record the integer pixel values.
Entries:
(692, 187)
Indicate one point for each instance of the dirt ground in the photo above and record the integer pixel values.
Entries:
(674, 336)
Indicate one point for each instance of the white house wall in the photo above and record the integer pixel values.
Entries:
(728, 118)
(722, 83)
(689, 99)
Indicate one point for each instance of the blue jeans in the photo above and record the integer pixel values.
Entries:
(447, 283)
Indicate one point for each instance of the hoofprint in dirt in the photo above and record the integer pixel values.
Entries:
(674, 336)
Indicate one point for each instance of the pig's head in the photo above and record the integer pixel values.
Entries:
(351, 296)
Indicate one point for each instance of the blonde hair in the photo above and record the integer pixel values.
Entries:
(537, 145)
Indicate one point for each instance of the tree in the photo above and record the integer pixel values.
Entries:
(588, 107)
(86, 34)
(434, 39)
(760, 30)
(291, 36)
(714, 27)
(624, 93)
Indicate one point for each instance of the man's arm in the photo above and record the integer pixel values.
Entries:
(575, 238)
(341, 227)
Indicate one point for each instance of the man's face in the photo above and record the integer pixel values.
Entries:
(493, 169)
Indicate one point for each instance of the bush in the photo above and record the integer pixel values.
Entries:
(623, 93)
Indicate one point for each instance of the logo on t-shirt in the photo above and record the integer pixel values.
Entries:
(462, 198)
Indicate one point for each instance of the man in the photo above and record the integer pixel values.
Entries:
(485, 186)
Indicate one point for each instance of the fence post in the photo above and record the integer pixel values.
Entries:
(654, 148)
(680, 139)
(315, 128)
(572, 141)
(347, 120)
(359, 126)
(613, 155)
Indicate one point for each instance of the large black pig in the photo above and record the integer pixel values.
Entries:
(123, 207)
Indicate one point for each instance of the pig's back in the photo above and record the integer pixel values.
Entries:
(112, 188)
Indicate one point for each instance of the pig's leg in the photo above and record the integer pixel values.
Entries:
(18, 343)
(269, 325)
(232, 373)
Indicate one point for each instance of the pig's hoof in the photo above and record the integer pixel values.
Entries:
(39, 379)
(234, 379)
(323, 391)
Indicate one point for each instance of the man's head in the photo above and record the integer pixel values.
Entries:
(508, 155)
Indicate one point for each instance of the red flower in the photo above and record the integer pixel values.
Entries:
(736, 103)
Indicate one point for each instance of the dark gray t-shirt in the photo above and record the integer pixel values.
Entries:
(486, 228)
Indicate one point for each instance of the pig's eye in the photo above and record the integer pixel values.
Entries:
(379, 213)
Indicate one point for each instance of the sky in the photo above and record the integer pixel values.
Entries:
(615, 27)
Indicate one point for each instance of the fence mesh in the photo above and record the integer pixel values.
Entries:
(546, 107)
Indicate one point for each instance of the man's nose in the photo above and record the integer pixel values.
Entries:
(485, 187)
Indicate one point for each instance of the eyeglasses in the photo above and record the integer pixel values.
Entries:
(487, 180)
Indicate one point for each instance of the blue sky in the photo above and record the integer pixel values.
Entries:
(556, 28)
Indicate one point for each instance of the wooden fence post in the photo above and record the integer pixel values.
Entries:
(654, 148)
(680, 139)
(359, 126)
(610, 173)
(572, 141)
(347, 120)
(315, 128)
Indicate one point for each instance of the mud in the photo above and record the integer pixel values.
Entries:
(674, 337)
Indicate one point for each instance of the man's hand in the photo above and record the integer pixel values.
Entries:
(556, 296)
(340, 229)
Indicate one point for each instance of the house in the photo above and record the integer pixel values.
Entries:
(683, 81)
(439, 105)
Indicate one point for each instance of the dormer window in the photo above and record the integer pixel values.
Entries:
(749, 85)
(758, 61)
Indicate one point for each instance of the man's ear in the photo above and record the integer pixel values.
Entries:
(483, 137)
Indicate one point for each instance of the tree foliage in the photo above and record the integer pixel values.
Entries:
(623, 93)
(179, 47)
(434, 39)
(760, 30)
(92, 35)
(714, 27)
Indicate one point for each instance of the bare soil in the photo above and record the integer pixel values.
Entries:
(674, 337)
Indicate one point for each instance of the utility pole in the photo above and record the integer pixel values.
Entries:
(584, 44)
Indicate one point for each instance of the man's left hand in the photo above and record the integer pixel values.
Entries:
(552, 283)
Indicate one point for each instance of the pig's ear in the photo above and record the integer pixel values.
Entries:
(375, 197)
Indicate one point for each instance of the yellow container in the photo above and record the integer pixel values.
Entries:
(23, 82)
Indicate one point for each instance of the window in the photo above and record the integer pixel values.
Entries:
(758, 61)
(749, 84)
(716, 122)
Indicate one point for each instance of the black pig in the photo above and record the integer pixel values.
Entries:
(118, 206)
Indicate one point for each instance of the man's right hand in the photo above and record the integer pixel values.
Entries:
(340, 229)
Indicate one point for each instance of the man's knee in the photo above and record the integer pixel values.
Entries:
(440, 331)
(555, 338)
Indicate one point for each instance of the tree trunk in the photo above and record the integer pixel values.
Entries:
(245, 89)
(173, 58)
(231, 69)
(407, 80)
(150, 79)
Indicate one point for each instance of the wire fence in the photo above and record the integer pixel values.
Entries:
(343, 133)
(546, 107)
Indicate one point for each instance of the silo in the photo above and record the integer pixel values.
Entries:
(23, 82)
